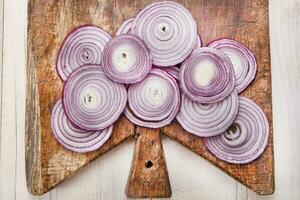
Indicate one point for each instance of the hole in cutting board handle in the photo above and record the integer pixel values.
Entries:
(148, 164)
(148, 176)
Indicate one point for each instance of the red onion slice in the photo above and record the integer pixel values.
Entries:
(169, 30)
(84, 45)
(242, 59)
(198, 42)
(91, 100)
(126, 59)
(246, 139)
(73, 138)
(173, 71)
(207, 76)
(125, 27)
(206, 120)
(155, 101)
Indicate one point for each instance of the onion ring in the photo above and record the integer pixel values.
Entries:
(155, 101)
(242, 59)
(198, 42)
(73, 138)
(246, 139)
(126, 59)
(92, 101)
(83, 45)
(125, 27)
(207, 76)
(172, 70)
(206, 120)
(168, 29)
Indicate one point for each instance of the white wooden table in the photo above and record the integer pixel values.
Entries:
(191, 176)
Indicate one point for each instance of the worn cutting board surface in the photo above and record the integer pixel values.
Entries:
(49, 21)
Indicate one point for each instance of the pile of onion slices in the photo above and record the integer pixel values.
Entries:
(155, 70)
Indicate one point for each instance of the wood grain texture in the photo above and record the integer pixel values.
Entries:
(149, 175)
(50, 21)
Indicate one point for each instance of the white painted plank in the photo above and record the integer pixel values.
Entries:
(1, 62)
(192, 177)
(105, 178)
(19, 51)
(285, 57)
(241, 192)
(252, 195)
(8, 130)
(13, 185)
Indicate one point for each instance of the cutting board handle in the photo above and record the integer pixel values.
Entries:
(148, 176)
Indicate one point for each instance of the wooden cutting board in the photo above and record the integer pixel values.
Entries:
(49, 21)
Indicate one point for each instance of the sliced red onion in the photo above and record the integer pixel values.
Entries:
(242, 59)
(169, 30)
(246, 139)
(84, 45)
(91, 100)
(207, 76)
(155, 101)
(126, 59)
(74, 138)
(173, 71)
(206, 120)
(198, 42)
(125, 27)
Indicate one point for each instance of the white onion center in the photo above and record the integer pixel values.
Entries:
(124, 58)
(91, 98)
(163, 30)
(156, 91)
(204, 72)
(87, 55)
